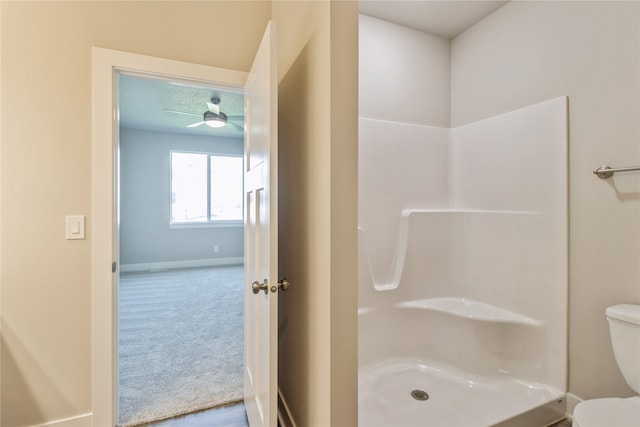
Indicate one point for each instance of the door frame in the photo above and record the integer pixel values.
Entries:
(106, 65)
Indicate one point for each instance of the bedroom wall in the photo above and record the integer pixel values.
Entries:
(527, 52)
(145, 235)
(46, 173)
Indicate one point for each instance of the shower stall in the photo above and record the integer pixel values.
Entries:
(462, 265)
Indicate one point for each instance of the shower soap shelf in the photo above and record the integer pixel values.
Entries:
(470, 309)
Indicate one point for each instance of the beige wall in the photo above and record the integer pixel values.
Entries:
(45, 280)
(527, 52)
(0, 217)
(318, 209)
(344, 214)
(46, 174)
(405, 74)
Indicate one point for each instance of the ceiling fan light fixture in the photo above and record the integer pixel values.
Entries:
(215, 120)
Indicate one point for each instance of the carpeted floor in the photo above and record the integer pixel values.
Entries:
(181, 342)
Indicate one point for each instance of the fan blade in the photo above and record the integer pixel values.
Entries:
(235, 117)
(192, 125)
(238, 127)
(214, 108)
(182, 112)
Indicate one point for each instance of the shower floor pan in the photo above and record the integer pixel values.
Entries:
(404, 393)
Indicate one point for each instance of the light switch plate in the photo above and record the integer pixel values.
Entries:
(75, 227)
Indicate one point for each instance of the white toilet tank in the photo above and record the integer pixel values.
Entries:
(624, 326)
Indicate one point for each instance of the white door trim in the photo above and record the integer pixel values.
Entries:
(106, 64)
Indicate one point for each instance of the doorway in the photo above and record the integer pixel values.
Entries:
(180, 304)
(260, 88)
(107, 64)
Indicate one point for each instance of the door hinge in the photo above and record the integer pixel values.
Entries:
(114, 267)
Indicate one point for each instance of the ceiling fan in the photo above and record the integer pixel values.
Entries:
(213, 117)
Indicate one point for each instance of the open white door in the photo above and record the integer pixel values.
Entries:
(261, 236)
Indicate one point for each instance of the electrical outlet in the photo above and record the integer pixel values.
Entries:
(215, 249)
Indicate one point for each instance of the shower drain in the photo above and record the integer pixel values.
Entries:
(419, 394)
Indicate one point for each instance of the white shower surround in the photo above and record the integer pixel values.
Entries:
(463, 268)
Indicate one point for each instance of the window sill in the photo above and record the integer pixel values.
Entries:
(217, 224)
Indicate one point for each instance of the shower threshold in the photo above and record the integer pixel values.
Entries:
(387, 397)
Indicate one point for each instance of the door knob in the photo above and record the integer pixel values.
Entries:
(257, 287)
(283, 284)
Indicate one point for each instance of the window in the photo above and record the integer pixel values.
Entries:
(206, 188)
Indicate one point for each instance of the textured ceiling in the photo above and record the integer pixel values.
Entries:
(443, 18)
(143, 103)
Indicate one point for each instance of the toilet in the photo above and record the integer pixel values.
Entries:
(624, 327)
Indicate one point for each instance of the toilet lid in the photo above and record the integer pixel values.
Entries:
(611, 412)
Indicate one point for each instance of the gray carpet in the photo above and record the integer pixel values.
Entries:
(181, 342)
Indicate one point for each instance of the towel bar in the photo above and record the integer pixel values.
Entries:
(604, 171)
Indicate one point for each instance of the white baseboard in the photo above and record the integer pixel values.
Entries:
(285, 419)
(149, 266)
(84, 420)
